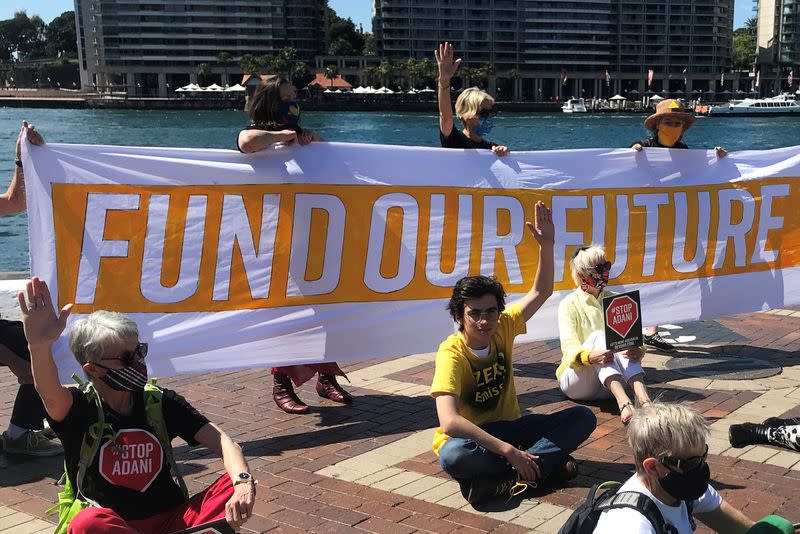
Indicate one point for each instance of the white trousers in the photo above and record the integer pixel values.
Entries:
(588, 382)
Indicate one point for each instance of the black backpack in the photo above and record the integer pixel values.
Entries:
(584, 519)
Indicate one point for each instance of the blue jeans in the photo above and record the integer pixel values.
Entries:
(550, 437)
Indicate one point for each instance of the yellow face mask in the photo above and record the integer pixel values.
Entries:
(669, 135)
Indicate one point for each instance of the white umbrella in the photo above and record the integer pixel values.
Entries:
(236, 88)
(327, 91)
(656, 98)
(385, 90)
(426, 90)
(359, 90)
(370, 90)
(214, 87)
(618, 97)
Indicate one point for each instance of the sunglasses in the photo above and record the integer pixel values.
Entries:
(603, 267)
(130, 357)
(684, 464)
(486, 113)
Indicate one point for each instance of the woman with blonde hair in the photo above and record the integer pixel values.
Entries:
(474, 108)
(588, 370)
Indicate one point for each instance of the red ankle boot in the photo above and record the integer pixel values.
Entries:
(329, 388)
(284, 396)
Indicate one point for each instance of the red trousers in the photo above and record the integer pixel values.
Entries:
(206, 506)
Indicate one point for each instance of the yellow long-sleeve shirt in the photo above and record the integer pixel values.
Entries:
(579, 314)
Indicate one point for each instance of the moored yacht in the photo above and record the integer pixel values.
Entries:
(784, 104)
(574, 105)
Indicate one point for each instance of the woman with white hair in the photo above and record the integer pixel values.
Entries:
(128, 478)
(588, 370)
(475, 109)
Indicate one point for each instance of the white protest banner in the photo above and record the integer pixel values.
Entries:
(333, 252)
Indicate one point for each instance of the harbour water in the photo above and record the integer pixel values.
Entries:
(217, 129)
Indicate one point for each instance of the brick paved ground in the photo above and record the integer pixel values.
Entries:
(368, 467)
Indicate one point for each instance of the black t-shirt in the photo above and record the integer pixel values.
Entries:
(653, 143)
(457, 139)
(130, 473)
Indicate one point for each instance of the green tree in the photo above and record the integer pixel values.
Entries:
(284, 61)
(369, 45)
(345, 30)
(224, 59)
(744, 46)
(22, 38)
(266, 63)
(331, 72)
(385, 70)
(203, 72)
(341, 47)
(248, 64)
(60, 37)
(301, 73)
(370, 75)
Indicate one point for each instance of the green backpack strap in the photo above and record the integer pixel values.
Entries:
(72, 501)
(155, 418)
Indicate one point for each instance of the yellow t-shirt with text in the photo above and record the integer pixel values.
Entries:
(484, 386)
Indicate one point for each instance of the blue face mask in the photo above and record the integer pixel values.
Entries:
(484, 126)
(290, 112)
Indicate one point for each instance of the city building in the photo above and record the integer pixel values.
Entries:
(150, 48)
(544, 49)
(778, 38)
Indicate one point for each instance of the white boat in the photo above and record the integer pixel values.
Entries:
(784, 104)
(574, 105)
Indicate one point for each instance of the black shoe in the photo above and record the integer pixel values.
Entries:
(776, 421)
(748, 434)
(566, 471)
(658, 342)
(479, 490)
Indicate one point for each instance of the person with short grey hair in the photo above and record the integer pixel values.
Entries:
(129, 479)
(670, 452)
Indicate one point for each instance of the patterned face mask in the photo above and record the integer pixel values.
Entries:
(290, 112)
(599, 276)
(129, 378)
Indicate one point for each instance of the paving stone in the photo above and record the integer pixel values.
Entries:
(324, 471)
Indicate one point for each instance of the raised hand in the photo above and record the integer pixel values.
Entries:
(444, 59)
(543, 229)
(29, 131)
(42, 324)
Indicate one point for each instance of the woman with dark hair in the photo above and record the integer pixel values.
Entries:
(275, 118)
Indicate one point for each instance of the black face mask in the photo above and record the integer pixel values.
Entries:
(688, 486)
(130, 378)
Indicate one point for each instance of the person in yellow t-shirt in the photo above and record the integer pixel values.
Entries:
(482, 441)
(588, 370)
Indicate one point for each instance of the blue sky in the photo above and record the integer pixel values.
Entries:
(358, 10)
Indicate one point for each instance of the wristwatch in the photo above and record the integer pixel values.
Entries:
(243, 477)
